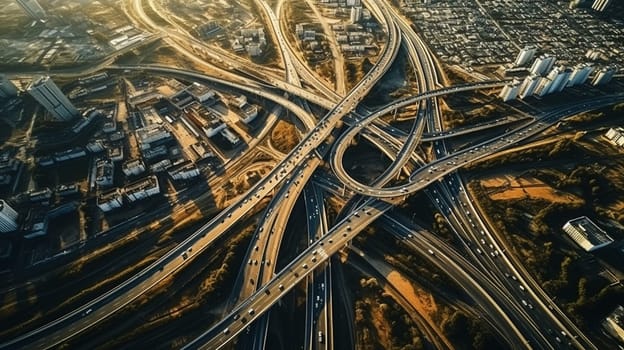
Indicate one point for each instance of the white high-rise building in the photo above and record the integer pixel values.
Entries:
(543, 87)
(580, 74)
(604, 75)
(356, 14)
(543, 64)
(525, 55)
(559, 76)
(8, 217)
(510, 91)
(528, 86)
(601, 5)
(32, 8)
(52, 98)
(7, 89)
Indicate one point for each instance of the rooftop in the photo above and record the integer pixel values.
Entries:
(587, 234)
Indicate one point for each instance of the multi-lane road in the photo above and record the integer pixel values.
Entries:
(260, 286)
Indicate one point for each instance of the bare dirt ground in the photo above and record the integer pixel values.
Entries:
(511, 187)
(419, 299)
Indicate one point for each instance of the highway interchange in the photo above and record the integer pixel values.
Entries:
(511, 302)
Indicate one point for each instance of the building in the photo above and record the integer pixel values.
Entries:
(543, 87)
(152, 153)
(43, 196)
(133, 167)
(184, 171)
(142, 189)
(69, 154)
(8, 217)
(95, 146)
(616, 136)
(580, 74)
(67, 190)
(601, 5)
(230, 136)
(604, 76)
(151, 135)
(510, 91)
(528, 86)
(110, 200)
(614, 323)
(116, 154)
(7, 88)
(202, 151)
(32, 9)
(356, 14)
(559, 76)
(36, 223)
(160, 166)
(525, 55)
(52, 99)
(202, 93)
(543, 64)
(104, 172)
(587, 234)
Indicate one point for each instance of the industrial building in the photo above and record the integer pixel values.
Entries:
(587, 234)
(45, 91)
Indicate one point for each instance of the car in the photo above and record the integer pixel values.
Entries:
(280, 287)
(251, 311)
(226, 331)
(88, 311)
(305, 266)
(320, 336)
(430, 251)
(236, 317)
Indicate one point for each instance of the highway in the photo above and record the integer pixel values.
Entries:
(496, 287)
(447, 164)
